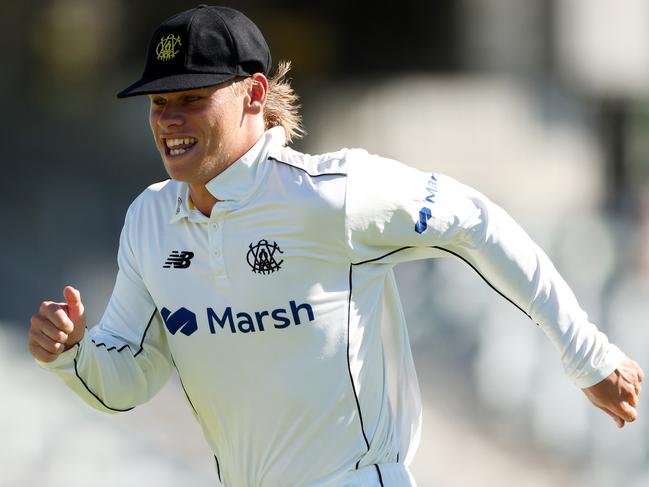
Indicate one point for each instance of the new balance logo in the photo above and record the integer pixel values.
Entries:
(183, 320)
(179, 259)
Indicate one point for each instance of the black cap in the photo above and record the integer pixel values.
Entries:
(201, 47)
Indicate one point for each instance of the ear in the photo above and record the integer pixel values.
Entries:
(257, 93)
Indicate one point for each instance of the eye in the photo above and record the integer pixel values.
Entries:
(158, 101)
(192, 98)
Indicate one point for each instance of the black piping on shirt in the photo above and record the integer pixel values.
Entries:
(459, 257)
(76, 370)
(218, 468)
(102, 344)
(349, 318)
(183, 386)
(378, 471)
(307, 172)
(349, 369)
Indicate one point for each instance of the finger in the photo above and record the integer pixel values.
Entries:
(73, 299)
(42, 309)
(626, 411)
(45, 326)
(640, 373)
(45, 342)
(632, 399)
(40, 354)
(55, 313)
(627, 392)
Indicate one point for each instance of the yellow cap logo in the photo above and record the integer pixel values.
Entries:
(166, 48)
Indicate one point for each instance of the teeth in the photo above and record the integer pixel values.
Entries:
(177, 152)
(184, 141)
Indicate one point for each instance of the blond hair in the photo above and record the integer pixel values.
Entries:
(282, 108)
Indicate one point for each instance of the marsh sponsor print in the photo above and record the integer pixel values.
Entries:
(232, 321)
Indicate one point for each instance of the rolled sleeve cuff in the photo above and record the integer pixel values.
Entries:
(612, 360)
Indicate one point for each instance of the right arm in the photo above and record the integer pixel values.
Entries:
(121, 362)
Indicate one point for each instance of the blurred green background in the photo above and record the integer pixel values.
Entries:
(542, 105)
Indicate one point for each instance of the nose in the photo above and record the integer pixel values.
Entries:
(170, 116)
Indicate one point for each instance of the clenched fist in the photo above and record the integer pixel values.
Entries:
(617, 395)
(57, 326)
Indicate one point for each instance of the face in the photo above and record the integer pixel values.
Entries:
(198, 131)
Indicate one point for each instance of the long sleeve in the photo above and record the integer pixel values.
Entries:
(124, 360)
(397, 213)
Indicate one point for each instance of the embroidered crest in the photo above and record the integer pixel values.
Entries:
(166, 48)
(262, 257)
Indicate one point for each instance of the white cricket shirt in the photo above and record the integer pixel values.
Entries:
(281, 314)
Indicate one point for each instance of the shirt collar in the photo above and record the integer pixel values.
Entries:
(238, 180)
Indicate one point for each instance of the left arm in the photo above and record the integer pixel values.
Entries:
(391, 206)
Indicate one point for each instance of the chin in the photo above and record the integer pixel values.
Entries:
(179, 172)
(178, 175)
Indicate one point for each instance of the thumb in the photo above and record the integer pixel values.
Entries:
(75, 306)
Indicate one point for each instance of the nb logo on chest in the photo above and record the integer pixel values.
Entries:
(179, 259)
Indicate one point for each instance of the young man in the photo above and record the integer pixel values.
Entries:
(264, 276)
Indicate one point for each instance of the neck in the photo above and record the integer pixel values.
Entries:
(202, 199)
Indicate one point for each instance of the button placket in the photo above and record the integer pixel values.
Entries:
(215, 230)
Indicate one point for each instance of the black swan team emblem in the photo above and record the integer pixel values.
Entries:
(263, 257)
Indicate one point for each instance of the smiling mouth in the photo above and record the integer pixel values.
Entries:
(178, 146)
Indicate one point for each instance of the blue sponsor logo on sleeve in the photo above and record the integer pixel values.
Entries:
(431, 188)
(425, 214)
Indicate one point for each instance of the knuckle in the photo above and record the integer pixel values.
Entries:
(58, 312)
(66, 327)
(627, 409)
(629, 391)
(34, 335)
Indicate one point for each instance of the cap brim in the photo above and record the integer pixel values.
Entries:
(178, 82)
